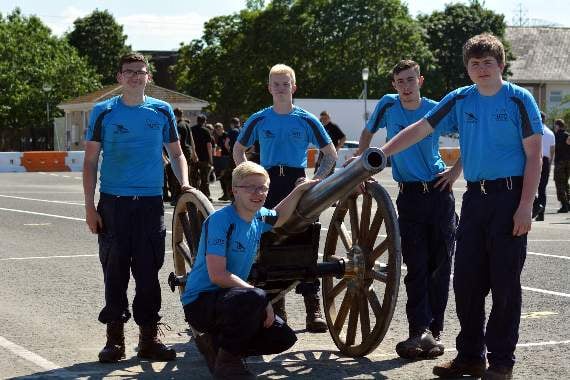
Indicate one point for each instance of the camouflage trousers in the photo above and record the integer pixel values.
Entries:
(561, 176)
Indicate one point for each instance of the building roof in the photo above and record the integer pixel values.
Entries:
(543, 54)
(152, 90)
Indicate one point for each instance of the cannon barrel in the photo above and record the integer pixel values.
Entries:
(333, 188)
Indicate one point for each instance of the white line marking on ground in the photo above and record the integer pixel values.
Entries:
(551, 240)
(547, 255)
(29, 356)
(42, 200)
(42, 214)
(55, 257)
(545, 291)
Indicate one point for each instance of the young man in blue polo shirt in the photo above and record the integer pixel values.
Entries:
(237, 318)
(284, 133)
(500, 138)
(426, 211)
(131, 130)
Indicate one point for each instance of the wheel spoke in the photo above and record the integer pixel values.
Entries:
(364, 316)
(374, 228)
(343, 312)
(379, 276)
(375, 303)
(352, 323)
(187, 229)
(354, 223)
(378, 251)
(337, 289)
(365, 217)
(183, 250)
(343, 234)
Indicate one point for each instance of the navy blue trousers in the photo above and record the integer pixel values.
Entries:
(427, 226)
(489, 258)
(234, 317)
(132, 240)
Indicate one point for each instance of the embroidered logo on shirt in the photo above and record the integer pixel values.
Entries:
(120, 129)
(470, 118)
(296, 133)
(239, 247)
(268, 134)
(216, 241)
(501, 115)
(152, 124)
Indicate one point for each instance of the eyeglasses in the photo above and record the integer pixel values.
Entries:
(254, 189)
(132, 73)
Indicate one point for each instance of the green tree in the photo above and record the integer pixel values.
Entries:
(327, 42)
(446, 33)
(30, 57)
(100, 39)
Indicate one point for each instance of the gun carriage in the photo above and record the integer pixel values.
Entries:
(359, 265)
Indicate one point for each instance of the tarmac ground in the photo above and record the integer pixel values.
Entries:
(52, 290)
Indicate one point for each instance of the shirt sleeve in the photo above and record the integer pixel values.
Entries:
(269, 218)
(377, 121)
(442, 117)
(531, 122)
(170, 132)
(95, 128)
(248, 133)
(318, 136)
(216, 234)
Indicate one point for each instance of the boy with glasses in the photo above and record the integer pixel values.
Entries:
(130, 130)
(237, 318)
(500, 138)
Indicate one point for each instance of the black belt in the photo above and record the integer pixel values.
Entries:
(423, 187)
(495, 185)
(133, 197)
(282, 170)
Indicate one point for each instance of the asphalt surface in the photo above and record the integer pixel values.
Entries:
(51, 290)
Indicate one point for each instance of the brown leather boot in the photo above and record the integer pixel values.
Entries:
(114, 349)
(150, 347)
(315, 321)
(230, 366)
(206, 346)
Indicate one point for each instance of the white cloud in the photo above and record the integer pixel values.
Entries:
(161, 32)
(64, 21)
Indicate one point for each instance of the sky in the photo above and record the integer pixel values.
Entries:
(164, 24)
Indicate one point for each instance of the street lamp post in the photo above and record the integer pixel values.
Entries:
(365, 73)
(46, 88)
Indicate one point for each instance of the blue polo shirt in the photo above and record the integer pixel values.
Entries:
(131, 139)
(284, 139)
(421, 161)
(491, 128)
(226, 234)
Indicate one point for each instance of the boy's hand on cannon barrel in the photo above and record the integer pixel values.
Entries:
(304, 184)
(349, 160)
(186, 188)
(269, 316)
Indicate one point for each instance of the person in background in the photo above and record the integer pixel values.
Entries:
(204, 151)
(337, 136)
(547, 156)
(225, 171)
(562, 164)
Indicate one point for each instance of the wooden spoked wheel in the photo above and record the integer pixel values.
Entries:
(359, 307)
(192, 208)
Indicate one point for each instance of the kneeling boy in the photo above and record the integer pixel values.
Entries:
(237, 318)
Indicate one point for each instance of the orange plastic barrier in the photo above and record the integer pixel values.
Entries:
(449, 155)
(312, 155)
(44, 161)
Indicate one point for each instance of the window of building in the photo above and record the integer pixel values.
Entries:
(555, 96)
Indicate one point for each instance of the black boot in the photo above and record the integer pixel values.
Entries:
(314, 320)
(231, 367)
(565, 208)
(420, 344)
(114, 349)
(279, 309)
(150, 347)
